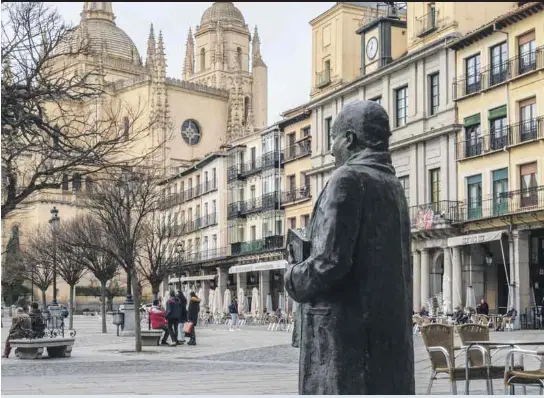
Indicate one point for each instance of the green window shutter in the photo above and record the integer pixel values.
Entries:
(497, 112)
(501, 174)
(472, 120)
(477, 179)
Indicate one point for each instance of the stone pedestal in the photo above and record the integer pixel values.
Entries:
(128, 328)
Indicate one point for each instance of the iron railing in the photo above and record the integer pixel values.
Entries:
(295, 195)
(297, 150)
(498, 139)
(323, 78)
(500, 73)
(504, 203)
(427, 23)
(236, 210)
(273, 242)
(189, 194)
(204, 255)
(432, 215)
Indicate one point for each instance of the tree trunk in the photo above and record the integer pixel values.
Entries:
(103, 306)
(71, 312)
(44, 303)
(155, 291)
(136, 297)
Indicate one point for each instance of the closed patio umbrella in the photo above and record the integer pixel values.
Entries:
(269, 303)
(218, 308)
(226, 300)
(211, 300)
(255, 305)
(241, 301)
(201, 297)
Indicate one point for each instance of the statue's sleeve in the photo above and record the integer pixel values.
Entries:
(337, 222)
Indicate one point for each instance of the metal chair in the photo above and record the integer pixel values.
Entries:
(513, 376)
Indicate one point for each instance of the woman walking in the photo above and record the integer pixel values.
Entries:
(192, 316)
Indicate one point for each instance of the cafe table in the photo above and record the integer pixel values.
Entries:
(493, 345)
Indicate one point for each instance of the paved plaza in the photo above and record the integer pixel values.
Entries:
(249, 361)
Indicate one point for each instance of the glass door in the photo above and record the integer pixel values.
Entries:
(500, 190)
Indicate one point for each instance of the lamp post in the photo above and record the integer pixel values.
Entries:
(54, 221)
(179, 251)
(127, 183)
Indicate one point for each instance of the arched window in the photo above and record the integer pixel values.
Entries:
(126, 127)
(202, 59)
(246, 109)
(239, 57)
(88, 184)
(76, 182)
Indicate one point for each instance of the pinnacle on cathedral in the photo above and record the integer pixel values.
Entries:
(257, 57)
(189, 64)
(150, 60)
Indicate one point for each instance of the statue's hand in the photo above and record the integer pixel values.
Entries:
(290, 255)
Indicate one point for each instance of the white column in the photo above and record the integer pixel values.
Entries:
(457, 278)
(264, 288)
(425, 278)
(446, 281)
(416, 292)
(522, 259)
(512, 289)
(222, 279)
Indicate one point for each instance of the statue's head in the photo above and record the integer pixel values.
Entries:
(359, 125)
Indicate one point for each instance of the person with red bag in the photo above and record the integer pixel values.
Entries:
(158, 321)
(192, 318)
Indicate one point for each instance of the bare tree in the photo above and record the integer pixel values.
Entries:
(70, 266)
(84, 233)
(38, 257)
(122, 206)
(159, 257)
(60, 121)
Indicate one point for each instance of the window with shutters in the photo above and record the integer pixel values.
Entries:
(527, 52)
(529, 185)
(528, 126)
(474, 196)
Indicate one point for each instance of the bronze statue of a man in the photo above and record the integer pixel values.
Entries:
(355, 288)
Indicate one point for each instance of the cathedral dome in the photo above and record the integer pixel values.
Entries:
(98, 26)
(222, 12)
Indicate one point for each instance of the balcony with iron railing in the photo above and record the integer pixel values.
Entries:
(267, 202)
(427, 23)
(296, 195)
(498, 139)
(236, 210)
(437, 215)
(494, 75)
(189, 194)
(297, 150)
(234, 173)
(201, 222)
(269, 243)
(206, 255)
(503, 204)
(323, 78)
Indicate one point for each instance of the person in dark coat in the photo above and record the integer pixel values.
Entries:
(192, 316)
(37, 320)
(355, 288)
(183, 317)
(482, 307)
(173, 314)
(21, 328)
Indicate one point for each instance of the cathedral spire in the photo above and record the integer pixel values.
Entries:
(161, 59)
(98, 10)
(189, 64)
(257, 58)
(219, 46)
(150, 60)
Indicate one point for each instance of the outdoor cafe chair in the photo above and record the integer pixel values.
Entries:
(439, 342)
(513, 376)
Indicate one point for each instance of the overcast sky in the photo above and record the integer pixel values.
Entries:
(284, 29)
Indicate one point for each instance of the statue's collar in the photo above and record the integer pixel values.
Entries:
(372, 158)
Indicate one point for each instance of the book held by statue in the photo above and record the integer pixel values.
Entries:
(300, 244)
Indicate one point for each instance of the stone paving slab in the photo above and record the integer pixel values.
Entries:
(249, 361)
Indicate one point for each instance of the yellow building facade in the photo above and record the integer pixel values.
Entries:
(499, 92)
(297, 193)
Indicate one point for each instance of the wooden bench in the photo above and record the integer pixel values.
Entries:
(151, 337)
(57, 347)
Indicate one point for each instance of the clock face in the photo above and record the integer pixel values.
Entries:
(190, 132)
(372, 48)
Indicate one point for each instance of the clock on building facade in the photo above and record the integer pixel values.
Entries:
(372, 48)
(190, 132)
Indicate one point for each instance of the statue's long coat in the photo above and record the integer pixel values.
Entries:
(355, 288)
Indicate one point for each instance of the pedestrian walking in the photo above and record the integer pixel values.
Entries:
(192, 316)
(173, 314)
(183, 317)
(233, 311)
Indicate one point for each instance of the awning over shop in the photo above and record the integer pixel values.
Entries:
(266, 266)
(193, 278)
(475, 238)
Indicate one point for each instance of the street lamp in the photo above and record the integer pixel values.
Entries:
(489, 259)
(179, 252)
(127, 183)
(54, 221)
